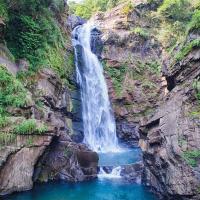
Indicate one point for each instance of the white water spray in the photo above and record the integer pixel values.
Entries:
(115, 173)
(98, 120)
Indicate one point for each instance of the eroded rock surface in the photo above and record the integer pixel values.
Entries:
(172, 132)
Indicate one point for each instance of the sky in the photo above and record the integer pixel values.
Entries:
(77, 1)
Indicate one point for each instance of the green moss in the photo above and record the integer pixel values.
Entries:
(191, 157)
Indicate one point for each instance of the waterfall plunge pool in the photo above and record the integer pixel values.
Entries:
(99, 189)
(125, 157)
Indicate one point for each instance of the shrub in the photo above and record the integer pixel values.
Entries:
(191, 157)
(185, 50)
(141, 32)
(117, 76)
(34, 38)
(128, 7)
(195, 22)
(175, 10)
(12, 92)
(28, 127)
(3, 10)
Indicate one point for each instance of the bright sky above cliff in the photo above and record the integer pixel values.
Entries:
(77, 1)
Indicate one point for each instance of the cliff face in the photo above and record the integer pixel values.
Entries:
(132, 62)
(151, 91)
(39, 124)
(171, 139)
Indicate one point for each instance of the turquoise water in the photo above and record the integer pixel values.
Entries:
(94, 190)
(128, 156)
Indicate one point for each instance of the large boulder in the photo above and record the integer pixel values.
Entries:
(18, 163)
(68, 161)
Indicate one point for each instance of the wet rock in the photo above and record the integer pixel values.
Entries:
(68, 161)
(74, 21)
(128, 133)
(96, 42)
(133, 172)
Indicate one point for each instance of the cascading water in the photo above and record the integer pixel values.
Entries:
(98, 120)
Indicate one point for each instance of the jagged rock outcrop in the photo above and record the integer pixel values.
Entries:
(51, 155)
(18, 162)
(173, 132)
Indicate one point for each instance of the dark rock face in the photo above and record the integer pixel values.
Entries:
(77, 121)
(171, 132)
(67, 161)
(96, 42)
(74, 21)
(133, 172)
(128, 133)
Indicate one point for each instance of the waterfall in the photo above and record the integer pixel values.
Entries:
(98, 120)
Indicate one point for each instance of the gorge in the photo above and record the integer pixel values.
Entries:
(99, 100)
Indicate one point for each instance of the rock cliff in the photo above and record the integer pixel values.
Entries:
(38, 139)
(154, 97)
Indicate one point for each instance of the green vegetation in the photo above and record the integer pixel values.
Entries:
(175, 10)
(195, 22)
(3, 121)
(174, 15)
(6, 139)
(196, 86)
(187, 49)
(29, 141)
(34, 34)
(12, 92)
(117, 75)
(152, 66)
(3, 10)
(28, 127)
(127, 8)
(35, 40)
(191, 157)
(87, 8)
(141, 32)
(178, 18)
